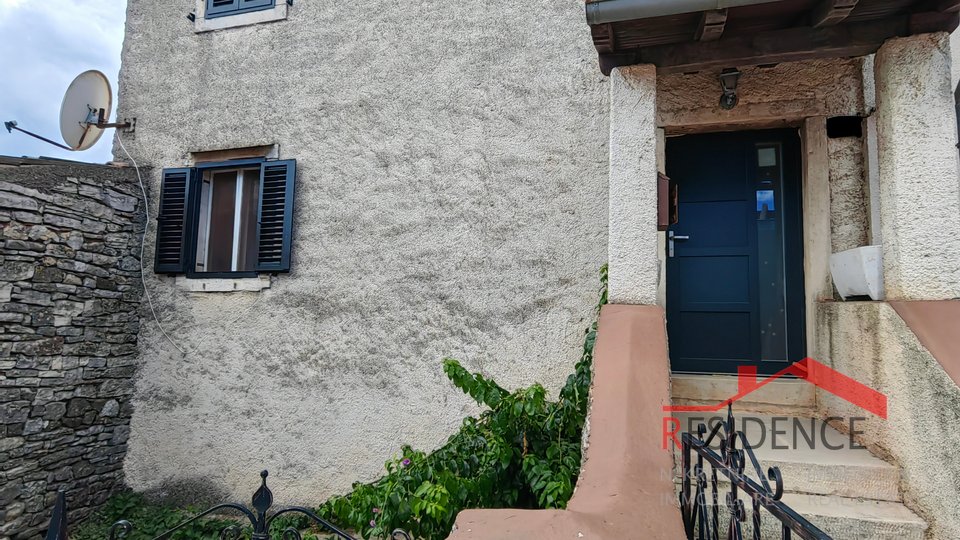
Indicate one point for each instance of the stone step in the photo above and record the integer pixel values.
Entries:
(783, 396)
(829, 467)
(858, 519)
(842, 518)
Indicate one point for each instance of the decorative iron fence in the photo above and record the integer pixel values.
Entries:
(701, 510)
(259, 515)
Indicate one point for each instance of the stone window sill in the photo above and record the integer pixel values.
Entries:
(277, 13)
(223, 284)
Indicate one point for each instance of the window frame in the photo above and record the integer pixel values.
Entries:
(179, 213)
(208, 5)
(194, 217)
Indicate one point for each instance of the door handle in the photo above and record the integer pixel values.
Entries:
(671, 238)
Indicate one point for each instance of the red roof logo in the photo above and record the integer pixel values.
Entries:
(809, 370)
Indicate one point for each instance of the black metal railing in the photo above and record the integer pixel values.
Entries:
(701, 509)
(259, 515)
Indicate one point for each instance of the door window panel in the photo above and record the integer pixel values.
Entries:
(772, 307)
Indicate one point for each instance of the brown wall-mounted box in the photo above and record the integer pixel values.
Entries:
(667, 203)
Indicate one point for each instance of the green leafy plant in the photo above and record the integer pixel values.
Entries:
(523, 451)
(149, 520)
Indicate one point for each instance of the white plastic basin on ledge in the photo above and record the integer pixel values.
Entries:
(858, 272)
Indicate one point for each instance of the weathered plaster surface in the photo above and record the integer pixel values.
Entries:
(634, 261)
(849, 216)
(954, 59)
(816, 218)
(775, 96)
(870, 342)
(919, 188)
(451, 200)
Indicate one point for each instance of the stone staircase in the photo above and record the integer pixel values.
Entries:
(848, 492)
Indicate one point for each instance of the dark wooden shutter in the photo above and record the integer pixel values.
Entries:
(255, 4)
(172, 221)
(221, 7)
(275, 216)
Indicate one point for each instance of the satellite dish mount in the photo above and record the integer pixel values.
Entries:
(83, 113)
(98, 118)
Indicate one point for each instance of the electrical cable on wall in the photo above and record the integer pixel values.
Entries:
(143, 279)
(84, 115)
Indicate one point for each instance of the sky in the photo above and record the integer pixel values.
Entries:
(43, 46)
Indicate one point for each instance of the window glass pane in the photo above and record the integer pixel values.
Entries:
(215, 223)
(227, 221)
(249, 203)
(203, 225)
(222, 202)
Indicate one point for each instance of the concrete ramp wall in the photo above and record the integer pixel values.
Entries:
(909, 351)
(625, 489)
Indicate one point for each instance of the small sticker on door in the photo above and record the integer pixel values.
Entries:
(765, 200)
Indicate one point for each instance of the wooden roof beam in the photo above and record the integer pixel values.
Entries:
(804, 43)
(830, 12)
(711, 25)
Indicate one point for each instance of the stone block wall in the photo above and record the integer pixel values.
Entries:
(69, 297)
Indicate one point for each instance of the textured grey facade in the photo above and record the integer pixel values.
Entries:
(69, 294)
(451, 201)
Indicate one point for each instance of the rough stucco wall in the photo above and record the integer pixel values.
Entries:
(869, 341)
(849, 219)
(954, 59)
(451, 200)
(634, 257)
(919, 183)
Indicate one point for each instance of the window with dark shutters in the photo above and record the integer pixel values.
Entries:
(219, 8)
(226, 219)
(172, 221)
(275, 219)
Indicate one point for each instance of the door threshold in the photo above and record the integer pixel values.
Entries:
(791, 395)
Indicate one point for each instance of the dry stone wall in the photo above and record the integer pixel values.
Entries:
(69, 295)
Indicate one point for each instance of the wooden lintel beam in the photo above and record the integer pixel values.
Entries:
(711, 25)
(775, 46)
(829, 12)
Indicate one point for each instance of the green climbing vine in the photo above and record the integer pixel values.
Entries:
(523, 451)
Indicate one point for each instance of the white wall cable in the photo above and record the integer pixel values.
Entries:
(143, 279)
(143, 243)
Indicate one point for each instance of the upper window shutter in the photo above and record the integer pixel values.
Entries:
(252, 4)
(219, 7)
(172, 222)
(275, 216)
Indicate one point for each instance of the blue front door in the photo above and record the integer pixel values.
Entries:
(735, 259)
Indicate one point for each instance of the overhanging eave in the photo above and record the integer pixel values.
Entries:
(764, 32)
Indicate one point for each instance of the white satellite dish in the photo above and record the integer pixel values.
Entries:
(87, 97)
(83, 113)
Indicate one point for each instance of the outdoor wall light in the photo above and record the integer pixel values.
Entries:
(728, 84)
